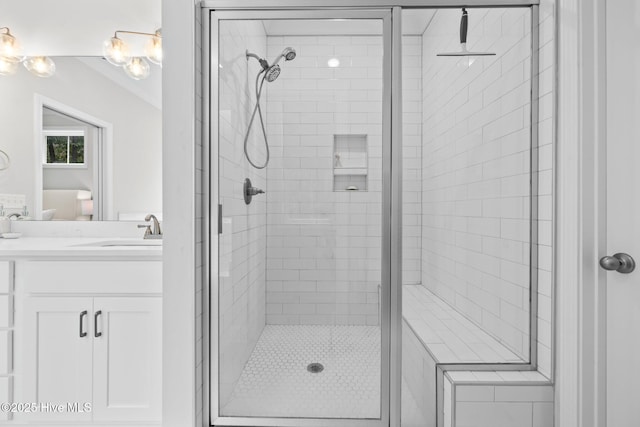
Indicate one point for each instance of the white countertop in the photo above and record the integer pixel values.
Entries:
(78, 248)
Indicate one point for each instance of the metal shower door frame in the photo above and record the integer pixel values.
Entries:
(391, 212)
(392, 191)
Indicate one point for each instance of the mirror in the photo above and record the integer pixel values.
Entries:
(121, 115)
(86, 141)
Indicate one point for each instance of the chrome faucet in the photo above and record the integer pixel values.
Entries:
(14, 215)
(156, 232)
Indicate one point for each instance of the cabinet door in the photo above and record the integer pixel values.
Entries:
(57, 357)
(127, 359)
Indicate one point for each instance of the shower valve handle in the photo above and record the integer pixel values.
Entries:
(250, 191)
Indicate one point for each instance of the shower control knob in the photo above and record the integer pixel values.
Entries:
(620, 262)
(250, 191)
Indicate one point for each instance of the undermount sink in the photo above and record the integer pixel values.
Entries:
(124, 243)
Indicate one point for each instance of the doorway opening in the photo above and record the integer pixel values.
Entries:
(73, 164)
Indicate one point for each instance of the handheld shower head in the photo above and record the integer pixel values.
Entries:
(289, 54)
(272, 73)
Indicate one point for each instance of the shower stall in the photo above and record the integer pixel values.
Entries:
(365, 196)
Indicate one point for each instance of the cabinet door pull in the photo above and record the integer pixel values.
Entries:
(82, 332)
(95, 324)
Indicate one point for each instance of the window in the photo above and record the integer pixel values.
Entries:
(64, 148)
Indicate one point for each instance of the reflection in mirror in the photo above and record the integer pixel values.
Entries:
(72, 163)
(85, 144)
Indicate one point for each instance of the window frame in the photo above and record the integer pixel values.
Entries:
(68, 133)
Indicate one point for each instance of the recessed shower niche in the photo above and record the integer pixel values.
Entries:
(350, 161)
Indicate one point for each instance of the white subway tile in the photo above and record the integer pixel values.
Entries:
(521, 393)
(493, 414)
(474, 393)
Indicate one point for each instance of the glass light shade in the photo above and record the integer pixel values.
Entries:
(116, 51)
(153, 50)
(7, 67)
(10, 49)
(41, 66)
(137, 68)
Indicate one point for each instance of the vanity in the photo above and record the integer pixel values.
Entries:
(81, 330)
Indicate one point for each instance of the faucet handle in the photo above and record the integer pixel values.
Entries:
(147, 232)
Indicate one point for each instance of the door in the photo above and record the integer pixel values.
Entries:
(301, 264)
(57, 357)
(127, 354)
(623, 211)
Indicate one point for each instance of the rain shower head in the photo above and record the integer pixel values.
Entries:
(272, 73)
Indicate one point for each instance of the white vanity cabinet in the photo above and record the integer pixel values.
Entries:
(89, 332)
(57, 362)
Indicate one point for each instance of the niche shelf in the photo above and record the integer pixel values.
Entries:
(350, 162)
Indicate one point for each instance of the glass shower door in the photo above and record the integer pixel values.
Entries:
(300, 293)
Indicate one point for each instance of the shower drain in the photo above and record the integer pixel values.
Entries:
(315, 368)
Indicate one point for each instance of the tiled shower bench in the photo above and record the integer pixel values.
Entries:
(457, 375)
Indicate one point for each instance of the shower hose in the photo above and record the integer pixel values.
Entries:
(253, 116)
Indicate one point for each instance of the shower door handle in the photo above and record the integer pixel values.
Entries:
(620, 262)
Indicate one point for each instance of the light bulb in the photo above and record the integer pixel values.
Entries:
(116, 51)
(137, 68)
(333, 62)
(10, 49)
(41, 66)
(153, 49)
(7, 67)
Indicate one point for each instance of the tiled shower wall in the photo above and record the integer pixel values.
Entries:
(546, 144)
(243, 241)
(476, 162)
(411, 160)
(324, 246)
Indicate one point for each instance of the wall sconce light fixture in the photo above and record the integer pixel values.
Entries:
(118, 53)
(11, 56)
(41, 66)
(10, 48)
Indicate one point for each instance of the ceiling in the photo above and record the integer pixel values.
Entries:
(76, 27)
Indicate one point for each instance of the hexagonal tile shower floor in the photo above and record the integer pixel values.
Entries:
(276, 382)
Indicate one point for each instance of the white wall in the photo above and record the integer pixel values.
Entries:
(244, 238)
(476, 162)
(137, 137)
(182, 189)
